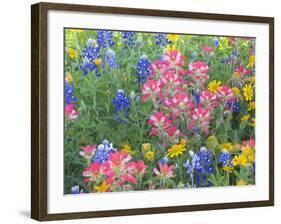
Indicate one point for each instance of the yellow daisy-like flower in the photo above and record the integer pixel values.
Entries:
(149, 155)
(171, 47)
(251, 61)
(236, 91)
(69, 78)
(241, 182)
(245, 117)
(176, 150)
(214, 86)
(128, 149)
(183, 142)
(240, 160)
(249, 153)
(228, 169)
(146, 146)
(248, 92)
(103, 187)
(98, 61)
(72, 53)
(251, 106)
(173, 37)
(226, 146)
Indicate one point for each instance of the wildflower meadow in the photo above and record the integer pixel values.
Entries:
(147, 111)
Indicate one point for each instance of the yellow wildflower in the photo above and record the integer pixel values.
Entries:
(214, 86)
(171, 47)
(251, 61)
(103, 187)
(249, 153)
(69, 78)
(149, 155)
(173, 37)
(241, 182)
(245, 117)
(97, 61)
(236, 91)
(226, 146)
(72, 53)
(176, 150)
(183, 142)
(239, 160)
(127, 148)
(146, 146)
(251, 106)
(248, 92)
(227, 168)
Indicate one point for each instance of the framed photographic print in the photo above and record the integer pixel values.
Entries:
(138, 111)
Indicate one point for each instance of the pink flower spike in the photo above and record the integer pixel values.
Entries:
(140, 166)
(129, 178)
(89, 148)
(207, 48)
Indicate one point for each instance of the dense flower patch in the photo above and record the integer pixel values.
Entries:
(158, 111)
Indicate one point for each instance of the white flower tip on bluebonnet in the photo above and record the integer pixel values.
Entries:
(203, 149)
(101, 147)
(191, 153)
(91, 43)
(143, 56)
(111, 146)
(110, 52)
(85, 60)
(105, 142)
(120, 91)
(132, 95)
(225, 151)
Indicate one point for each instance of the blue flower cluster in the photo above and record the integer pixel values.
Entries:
(232, 58)
(91, 58)
(162, 40)
(110, 59)
(103, 151)
(105, 38)
(235, 105)
(68, 93)
(75, 189)
(196, 97)
(121, 102)
(216, 42)
(142, 71)
(200, 162)
(225, 158)
(164, 160)
(128, 38)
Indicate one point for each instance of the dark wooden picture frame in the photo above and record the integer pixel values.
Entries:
(39, 121)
